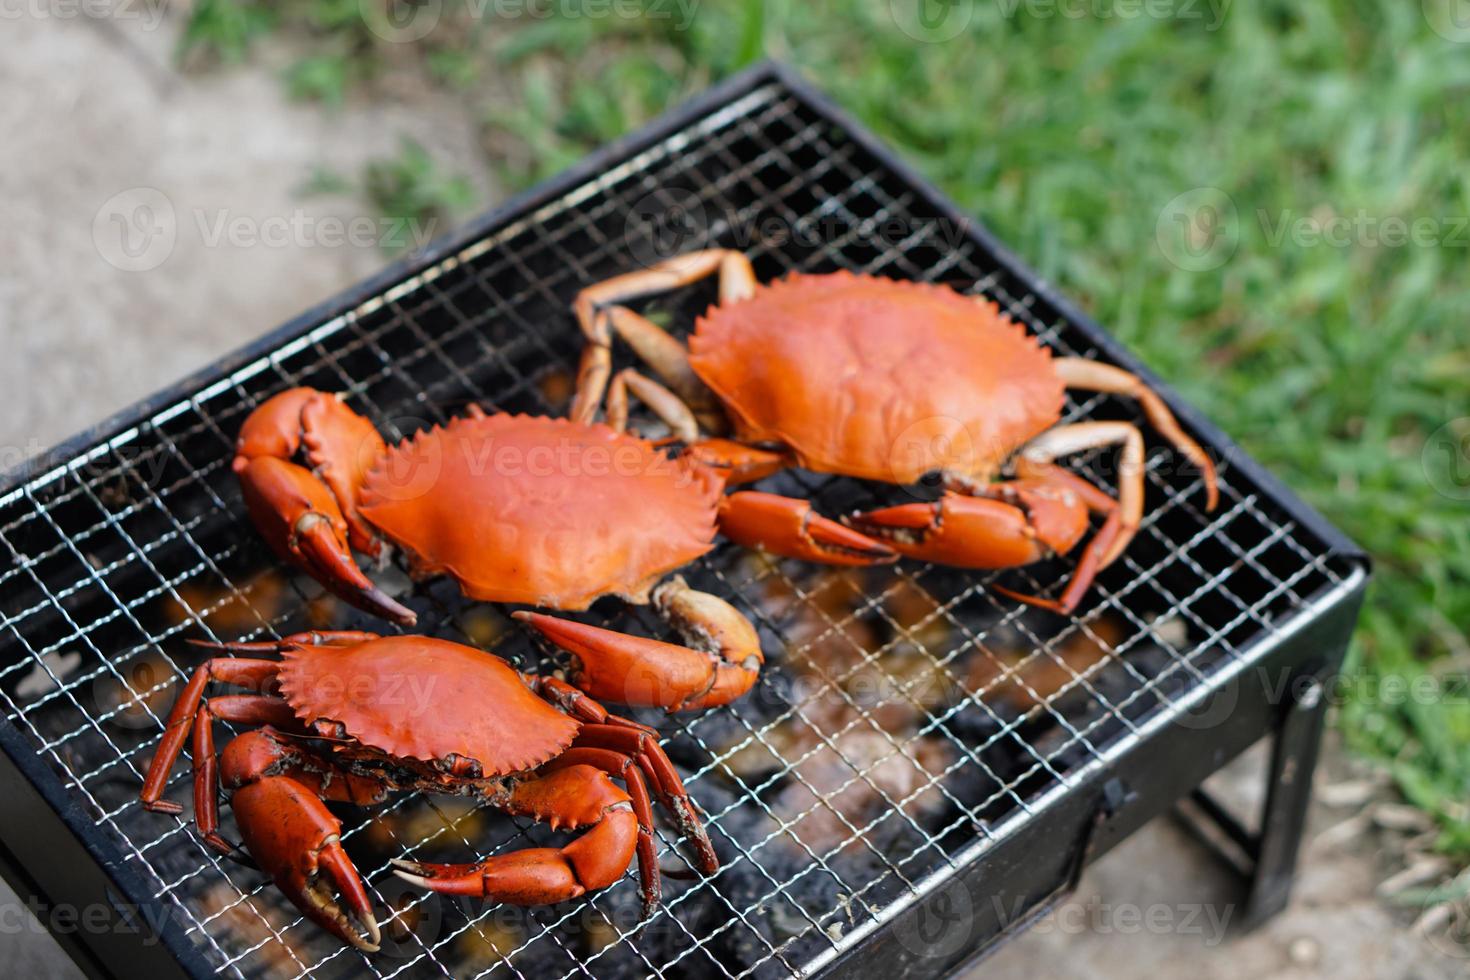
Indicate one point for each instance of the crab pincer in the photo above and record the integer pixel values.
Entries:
(793, 528)
(289, 832)
(721, 662)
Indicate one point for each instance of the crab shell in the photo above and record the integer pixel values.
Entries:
(877, 378)
(541, 511)
(414, 697)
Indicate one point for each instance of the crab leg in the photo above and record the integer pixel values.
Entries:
(1088, 375)
(621, 767)
(571, 798)
(242, 673)
(738, 462)
(721, 663)
(735, 461)
(310, 638)
(249, 709)
(664, 403)
(668, 358)
(309, 516)
(644, 748)
(641, 744)
(790, 527)
(595, 306)
(1068, 439)
(1014, 523)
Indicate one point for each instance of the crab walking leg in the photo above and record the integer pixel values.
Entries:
(738, 462)
(310, 638)
(242, 673)
(593, 307)
(571, 798)
(1093, 376)
(248, 709)
(622, 767)
(644, 748)
(668, 358)
(1068, 439)
(721, 663)
(664, 403)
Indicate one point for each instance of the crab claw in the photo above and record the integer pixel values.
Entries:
(738, 462)
(292, 835)
(299, 517)
(721, 663)
(966, 532)
(784, 526)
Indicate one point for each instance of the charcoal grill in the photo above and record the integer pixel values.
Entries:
(923, 769)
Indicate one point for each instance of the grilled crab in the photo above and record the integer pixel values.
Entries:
(883, 380)
(355, 717)
(517, 509)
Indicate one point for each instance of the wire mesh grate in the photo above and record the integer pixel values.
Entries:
(907, 712)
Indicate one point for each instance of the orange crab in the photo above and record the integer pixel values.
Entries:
(520, 509)
(882, 380)
(357, 717)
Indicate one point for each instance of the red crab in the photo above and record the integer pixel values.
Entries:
(882, 380)
(358, 716)
(518, 509)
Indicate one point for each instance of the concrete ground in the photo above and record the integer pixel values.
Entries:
(144, 216)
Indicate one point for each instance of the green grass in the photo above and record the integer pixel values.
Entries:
(1331, 363)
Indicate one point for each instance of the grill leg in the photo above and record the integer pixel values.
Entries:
(1266, 860)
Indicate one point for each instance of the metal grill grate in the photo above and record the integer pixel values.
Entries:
(907, 714)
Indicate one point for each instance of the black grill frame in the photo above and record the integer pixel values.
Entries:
(1123, 784)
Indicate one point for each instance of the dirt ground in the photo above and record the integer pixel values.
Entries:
(116, 278)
